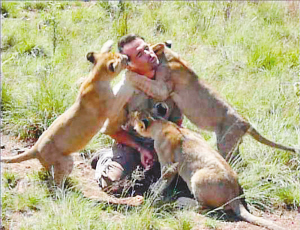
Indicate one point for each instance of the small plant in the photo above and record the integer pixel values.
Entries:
(122, 12)
(6, 98)
(186, 224)
(32, 203)
(160, 27)
(109, 7)
(7, 42)
(10, 9)
(10, 179)
(42, 175)
(4, 11)
(211, 223)
(36, 6)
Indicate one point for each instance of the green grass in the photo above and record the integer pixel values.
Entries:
(248, 51)
(68, 209)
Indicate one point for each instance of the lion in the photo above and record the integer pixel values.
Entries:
(72, 130)
(207, 174)
(198, 102)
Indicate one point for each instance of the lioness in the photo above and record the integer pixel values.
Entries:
(198, 102)
(207, 174)
(72, 130)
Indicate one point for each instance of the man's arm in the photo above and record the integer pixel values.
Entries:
(159, 89)
(123, 92)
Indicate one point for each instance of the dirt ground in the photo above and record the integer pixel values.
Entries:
(83, 172)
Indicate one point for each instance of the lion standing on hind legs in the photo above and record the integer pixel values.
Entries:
(72, 130)
(91, 111)
(198, 102)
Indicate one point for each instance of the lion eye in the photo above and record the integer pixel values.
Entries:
(111, 67)
(146, 123)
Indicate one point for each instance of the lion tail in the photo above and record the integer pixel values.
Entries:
(242, 213)
(27, 155)
(257, 136)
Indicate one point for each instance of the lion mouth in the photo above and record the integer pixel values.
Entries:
(124, 60)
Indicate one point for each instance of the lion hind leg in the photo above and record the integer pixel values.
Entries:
(229, 136)
(62, 168)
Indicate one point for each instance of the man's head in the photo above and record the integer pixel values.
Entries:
(142, 58)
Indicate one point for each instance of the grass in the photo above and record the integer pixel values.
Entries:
(248, 51)
(66, 209)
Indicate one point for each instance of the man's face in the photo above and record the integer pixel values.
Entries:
(142, 58)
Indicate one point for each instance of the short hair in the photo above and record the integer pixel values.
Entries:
(127, 39)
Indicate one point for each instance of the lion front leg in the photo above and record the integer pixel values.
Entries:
(168, 173)
(158, 89)
(169, 170)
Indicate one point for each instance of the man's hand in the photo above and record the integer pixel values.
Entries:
(125, 138)
(146, 158)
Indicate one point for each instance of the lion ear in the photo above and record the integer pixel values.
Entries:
(168, 44)
(107, 46)
(158, 48)
(91, 57)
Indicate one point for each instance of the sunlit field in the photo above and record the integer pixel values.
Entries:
(247, 51)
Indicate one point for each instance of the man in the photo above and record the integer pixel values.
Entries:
(114, 166)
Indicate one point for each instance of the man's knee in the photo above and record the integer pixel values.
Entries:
(107, 170)
(113, 172)
(113, 165)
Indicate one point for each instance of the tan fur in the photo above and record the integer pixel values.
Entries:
(72, 130)
(197, 101)
(207, 174)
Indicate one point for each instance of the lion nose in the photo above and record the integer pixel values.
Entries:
(161, 109)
